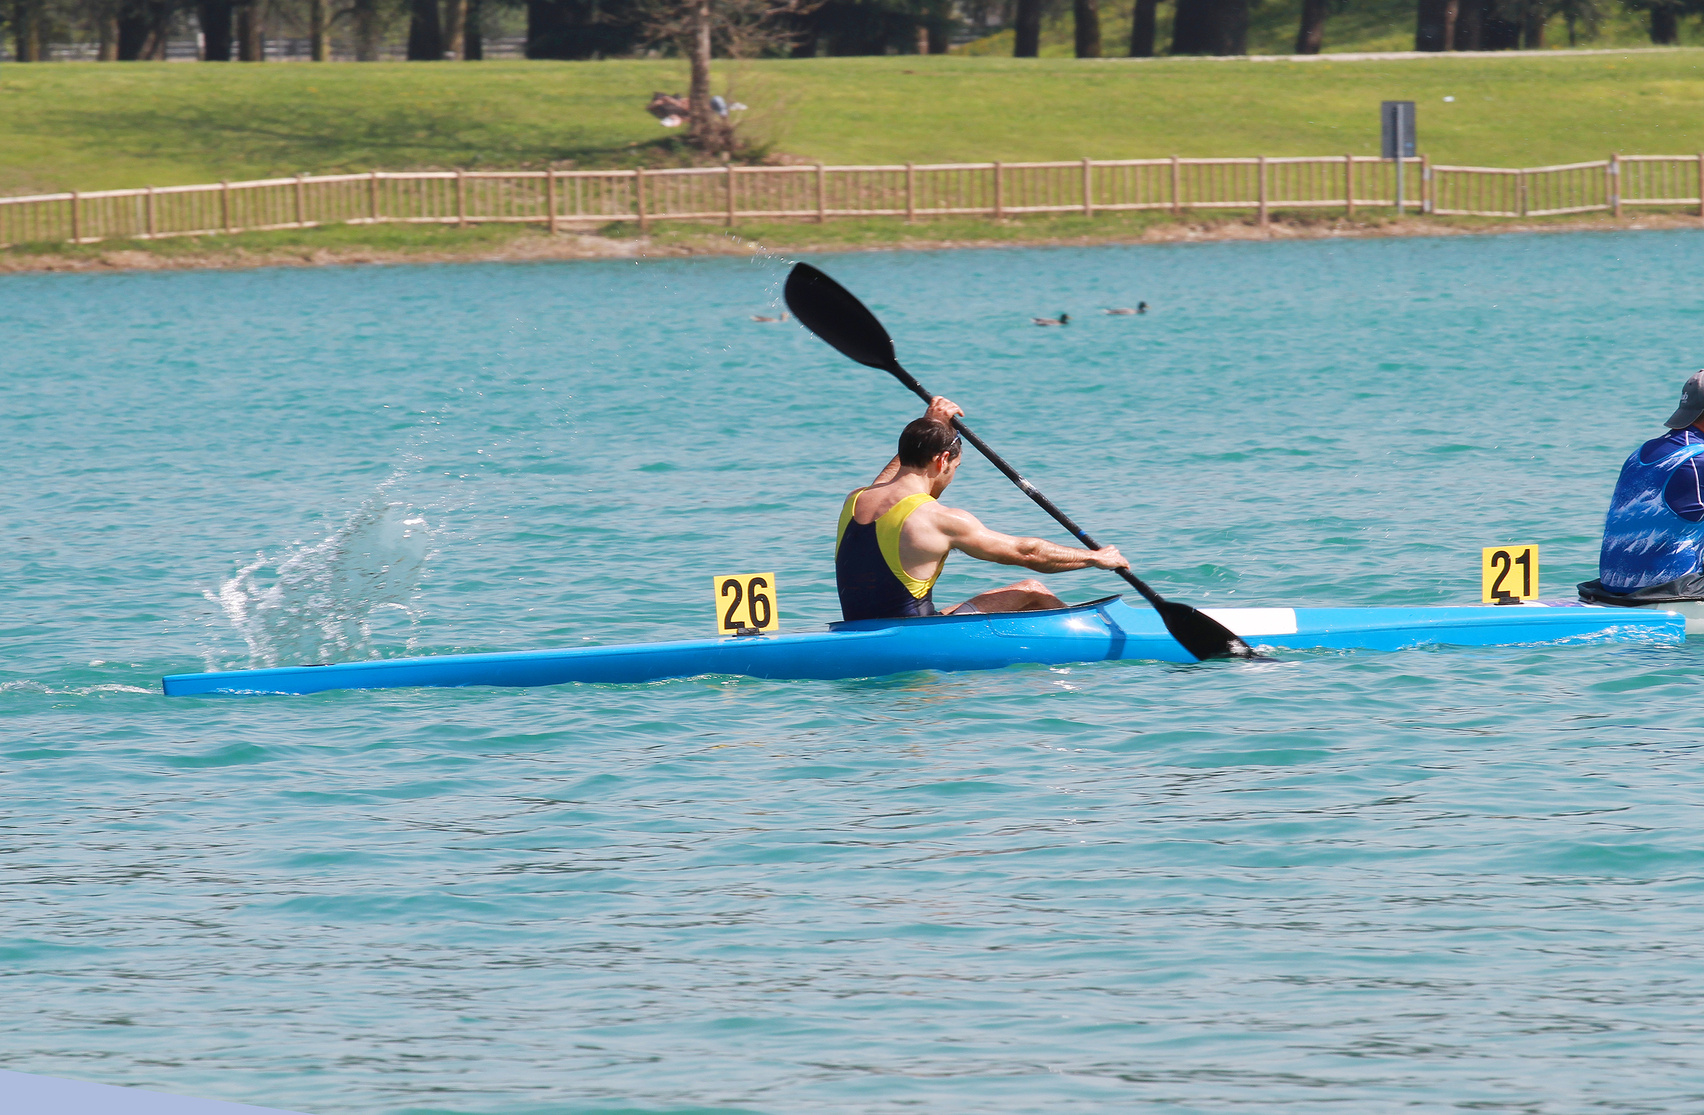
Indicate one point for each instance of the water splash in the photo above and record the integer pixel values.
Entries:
(317, 603)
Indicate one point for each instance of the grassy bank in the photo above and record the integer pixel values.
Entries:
(350, 245)
(93, 126)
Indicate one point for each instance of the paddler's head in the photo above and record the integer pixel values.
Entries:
(1691, 403)
(931, 447)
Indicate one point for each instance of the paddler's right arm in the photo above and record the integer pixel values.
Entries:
(941, 410)
(964, 533)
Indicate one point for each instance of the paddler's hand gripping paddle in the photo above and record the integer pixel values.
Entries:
(831, 312)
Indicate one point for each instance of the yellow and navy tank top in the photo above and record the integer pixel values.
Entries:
(873, 584)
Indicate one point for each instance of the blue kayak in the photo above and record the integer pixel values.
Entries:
(1099, 631)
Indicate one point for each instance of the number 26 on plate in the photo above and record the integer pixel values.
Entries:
(1508, 573)
(746, 602)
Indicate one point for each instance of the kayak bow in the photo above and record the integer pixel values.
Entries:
(1099, 631)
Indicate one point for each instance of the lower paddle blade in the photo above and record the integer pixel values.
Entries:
(1201, 634)
(833, 313)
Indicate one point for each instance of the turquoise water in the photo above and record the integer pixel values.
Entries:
(1432, 881)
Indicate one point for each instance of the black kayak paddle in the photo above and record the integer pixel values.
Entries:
(832, 312)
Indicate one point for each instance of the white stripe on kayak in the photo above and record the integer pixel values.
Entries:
(1249, 622)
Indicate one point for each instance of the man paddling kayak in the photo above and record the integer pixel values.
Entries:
(894, 537)
(1653, 537)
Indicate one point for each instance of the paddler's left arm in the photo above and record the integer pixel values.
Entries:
(941, 410)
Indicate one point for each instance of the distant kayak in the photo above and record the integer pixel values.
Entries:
(1099, 631)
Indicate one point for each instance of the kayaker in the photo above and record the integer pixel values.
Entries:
(894, 537)
(1653, 537)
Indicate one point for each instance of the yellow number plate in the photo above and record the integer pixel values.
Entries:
(1508, 573)
(746, 600)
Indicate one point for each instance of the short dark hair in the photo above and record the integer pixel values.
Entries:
(924, 439)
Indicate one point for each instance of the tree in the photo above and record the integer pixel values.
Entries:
(1311, 35)
(1087, 19)
(142, 28)
(27, 19)
(702, 29)
(1142, 29)
(1026, 29)
(1665, 16)
(1579, 15)
(425, 32)
(215, 19)
(1210, 27)
(1435, 24)
(251, 33)
(367, 30)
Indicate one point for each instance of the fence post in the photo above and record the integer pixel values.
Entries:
(910, 193)
(1000, 191)
(730, 169)
(1088, 188)
(550, 200)
(1614, 173)
(1521, 192)
(76, 218)
(822, 193)
(639, 198)
(150, 212)
(461, 198)
(1425, 183)
(1177, 188)
(1263, 218)
(225, 206)
(373, 197)
(301, 221)
(1349, 186)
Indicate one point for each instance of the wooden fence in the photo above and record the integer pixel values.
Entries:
(582, 199)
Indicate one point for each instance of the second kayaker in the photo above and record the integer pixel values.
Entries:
(894, 536)
(1653, 536)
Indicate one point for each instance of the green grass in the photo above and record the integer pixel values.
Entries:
(94, 126)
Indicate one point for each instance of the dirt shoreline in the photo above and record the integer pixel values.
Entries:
(529, 247)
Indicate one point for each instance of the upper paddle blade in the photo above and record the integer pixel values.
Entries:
(831, 312)
(1201, 634)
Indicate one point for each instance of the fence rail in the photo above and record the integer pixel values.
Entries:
(579, 199)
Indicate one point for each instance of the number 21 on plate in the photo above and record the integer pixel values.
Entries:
(1508, 573)
(746, 602)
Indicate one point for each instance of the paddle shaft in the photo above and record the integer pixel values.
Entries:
(1024, 486)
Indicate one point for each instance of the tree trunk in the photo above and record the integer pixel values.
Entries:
(251, 34)
(705, 129)
(1470, 26)
(1027, 29)
(1142, 29)
(1665, 26)
(473, 49)
(133, 28)
(425, 34)
(1429, 26)
(366, 30)
(1532, 25)
(107, 26)
(215, 19)
(26, 29)
(455, 30)
(1087, 13)
(1210, 27)
(1312, 31)
(319, 46)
